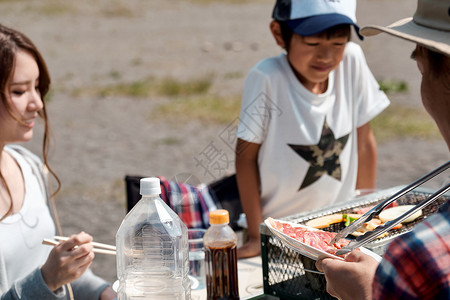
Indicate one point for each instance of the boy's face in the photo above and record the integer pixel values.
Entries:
(314, 57)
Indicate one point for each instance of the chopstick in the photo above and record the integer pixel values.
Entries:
(95, 244)
(101, 248)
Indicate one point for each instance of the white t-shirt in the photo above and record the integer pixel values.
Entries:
(21, 234)
(308, 156)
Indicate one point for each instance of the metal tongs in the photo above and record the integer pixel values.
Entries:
(371, 235)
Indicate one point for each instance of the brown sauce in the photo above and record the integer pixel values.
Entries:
(221, 272)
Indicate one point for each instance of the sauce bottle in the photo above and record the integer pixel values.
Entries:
(220, 243)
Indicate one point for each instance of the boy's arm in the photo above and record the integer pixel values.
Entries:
(367, 158)
(247, 176)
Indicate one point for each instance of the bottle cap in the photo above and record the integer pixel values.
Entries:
(219, 216)
(150, 186)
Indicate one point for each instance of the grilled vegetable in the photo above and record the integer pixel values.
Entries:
(390, 214)
(325, 221)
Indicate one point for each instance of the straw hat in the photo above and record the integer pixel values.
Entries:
(429, 27)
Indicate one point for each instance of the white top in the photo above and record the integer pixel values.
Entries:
(293, 125)
(21, 234)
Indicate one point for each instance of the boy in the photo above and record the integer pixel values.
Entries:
(304, 140)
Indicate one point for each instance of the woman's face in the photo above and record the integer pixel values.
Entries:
(24, 99)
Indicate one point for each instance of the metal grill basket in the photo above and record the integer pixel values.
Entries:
(284, 272)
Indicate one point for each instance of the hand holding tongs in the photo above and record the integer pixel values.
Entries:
(371, 235)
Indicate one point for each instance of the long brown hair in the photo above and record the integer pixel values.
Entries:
(12, 41)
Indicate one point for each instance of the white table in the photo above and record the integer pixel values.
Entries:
(250, 280)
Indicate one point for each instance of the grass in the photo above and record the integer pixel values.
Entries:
(171, 87)
(149, 86)
(390, 86)
(192, 100)
(52, 8)
(49, 96)
(115, 74)
(394, 123)
(208, 109)
(170, 141)
(234, 75)
(400, 122)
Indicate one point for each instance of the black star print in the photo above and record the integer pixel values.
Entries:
(323, 157)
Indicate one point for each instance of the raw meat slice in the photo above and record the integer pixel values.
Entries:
(315, 238)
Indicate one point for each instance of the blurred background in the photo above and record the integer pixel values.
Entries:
(153, 88)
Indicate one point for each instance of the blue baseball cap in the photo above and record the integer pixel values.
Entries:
(310, 17)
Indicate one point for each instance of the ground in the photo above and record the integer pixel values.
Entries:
(98, 140)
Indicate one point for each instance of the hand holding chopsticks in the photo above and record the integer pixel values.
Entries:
(98, 247)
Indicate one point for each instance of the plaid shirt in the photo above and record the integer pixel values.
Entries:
(417, 264)
(191, 203)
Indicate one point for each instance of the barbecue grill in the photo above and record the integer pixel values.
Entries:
(290, 275)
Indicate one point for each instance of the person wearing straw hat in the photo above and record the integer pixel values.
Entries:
(416, 265)
(28, 269)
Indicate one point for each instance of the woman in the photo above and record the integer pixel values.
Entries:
(29, 270)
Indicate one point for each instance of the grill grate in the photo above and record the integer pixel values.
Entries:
(284, 269)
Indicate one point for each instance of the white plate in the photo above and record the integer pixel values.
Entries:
(305, 249)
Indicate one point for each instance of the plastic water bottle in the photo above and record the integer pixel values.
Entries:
(220, 243)
(152, 250)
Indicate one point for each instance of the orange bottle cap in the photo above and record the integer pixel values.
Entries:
(219, 216)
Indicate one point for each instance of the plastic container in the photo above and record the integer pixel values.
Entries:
(220, 243)
(152, 250)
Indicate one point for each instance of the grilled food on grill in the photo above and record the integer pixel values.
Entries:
(325, 221)
(387, 215)
(390, 214)
(315, 238)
